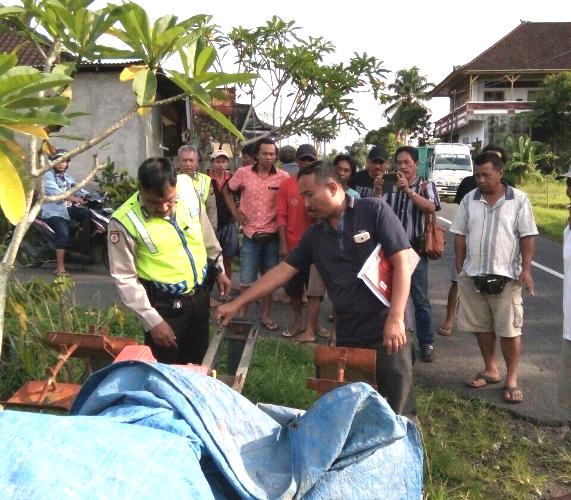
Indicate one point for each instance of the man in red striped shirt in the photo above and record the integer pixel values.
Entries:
(293, 220)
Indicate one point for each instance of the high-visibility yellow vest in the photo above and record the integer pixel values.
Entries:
(202, 185)
(169, 253)
(187, 192)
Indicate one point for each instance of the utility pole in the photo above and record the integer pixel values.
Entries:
(452, 120)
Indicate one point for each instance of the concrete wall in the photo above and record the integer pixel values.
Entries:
(106, 99)
(473, 131)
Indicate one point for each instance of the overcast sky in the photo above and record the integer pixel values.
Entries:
(431, 35)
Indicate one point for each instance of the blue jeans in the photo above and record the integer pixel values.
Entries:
(256, 257)
(422, 308)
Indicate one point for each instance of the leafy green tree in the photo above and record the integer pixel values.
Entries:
(407, 112)
(524, 157)
(550, 117)
(329, 157)
(385, 137)
(295, 83)
(33, 103)
(358, 151)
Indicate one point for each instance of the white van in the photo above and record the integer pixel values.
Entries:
(450, 164)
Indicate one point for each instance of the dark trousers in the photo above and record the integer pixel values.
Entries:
(422, 307)
(394, 374)
(190, 324)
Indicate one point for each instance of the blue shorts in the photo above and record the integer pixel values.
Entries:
(228, 238)
(61, 228)
(257, 258)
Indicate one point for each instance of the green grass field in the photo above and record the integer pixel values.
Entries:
(549, 200)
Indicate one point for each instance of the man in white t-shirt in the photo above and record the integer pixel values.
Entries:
(565, 371)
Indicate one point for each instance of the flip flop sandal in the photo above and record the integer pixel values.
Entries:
(323, 333)
(289, 333)
(511, 391)
(486, 378)
(271, 326)
(445, 332)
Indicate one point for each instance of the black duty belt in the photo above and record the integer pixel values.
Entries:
(164, 300)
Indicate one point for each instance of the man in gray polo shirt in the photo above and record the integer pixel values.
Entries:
(494, 245)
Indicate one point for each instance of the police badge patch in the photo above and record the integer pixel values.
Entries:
(114, 236)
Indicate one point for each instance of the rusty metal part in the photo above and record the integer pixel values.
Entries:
(337, 366)
(89, 346)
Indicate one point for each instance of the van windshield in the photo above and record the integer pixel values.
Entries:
(452, 162)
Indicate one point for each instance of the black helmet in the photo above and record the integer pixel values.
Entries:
(58, 154)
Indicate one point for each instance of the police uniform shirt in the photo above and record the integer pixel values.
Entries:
(123, 268)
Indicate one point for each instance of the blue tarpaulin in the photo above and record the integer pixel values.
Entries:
(147, 430)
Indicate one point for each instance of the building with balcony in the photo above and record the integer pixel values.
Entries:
(489, 94)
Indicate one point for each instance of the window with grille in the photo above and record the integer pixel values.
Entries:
(493, 95)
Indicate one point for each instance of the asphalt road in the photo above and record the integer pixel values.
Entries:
(456, 357)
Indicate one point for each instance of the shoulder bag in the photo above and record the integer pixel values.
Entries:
(434, 236)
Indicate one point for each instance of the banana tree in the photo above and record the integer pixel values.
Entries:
(524, 156)
(34, 102)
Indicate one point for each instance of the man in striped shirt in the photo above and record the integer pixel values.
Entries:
(410, 200)
(494, 245)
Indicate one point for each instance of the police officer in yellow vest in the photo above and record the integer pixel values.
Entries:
(158, 251)
(188, 164)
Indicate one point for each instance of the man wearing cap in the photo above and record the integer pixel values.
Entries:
(188, 164)
(227, 231)
(287, 158)
(377, 164)
(259, 185)
(58, 214)
(565, 369)
(411, 200)
(158, 253)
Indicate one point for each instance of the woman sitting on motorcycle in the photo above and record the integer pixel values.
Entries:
(58, 214)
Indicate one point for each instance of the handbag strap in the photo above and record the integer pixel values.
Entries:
(427, 217)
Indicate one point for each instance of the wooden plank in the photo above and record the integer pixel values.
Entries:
(245, 360)
(212, 353)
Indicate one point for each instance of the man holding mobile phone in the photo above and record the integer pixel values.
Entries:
(411, 200)
(363, 181)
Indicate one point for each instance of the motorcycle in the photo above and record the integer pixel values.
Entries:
(88, 239)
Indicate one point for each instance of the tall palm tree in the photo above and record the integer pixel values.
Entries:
(410, 89)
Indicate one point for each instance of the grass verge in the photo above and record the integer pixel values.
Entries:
(551, 222)
(548, 200)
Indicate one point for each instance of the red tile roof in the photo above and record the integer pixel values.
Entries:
(540, 47)
(530, 46)
(27, 53)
